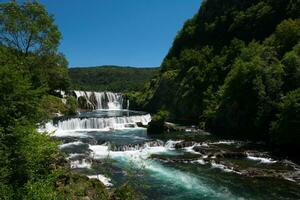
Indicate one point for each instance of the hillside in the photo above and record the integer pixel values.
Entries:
(110, 78)
(234, 68)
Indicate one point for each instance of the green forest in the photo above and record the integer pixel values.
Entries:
(234, 70)
(31, 69)
(110, 78)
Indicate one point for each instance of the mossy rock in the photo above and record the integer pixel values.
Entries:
(157, 124)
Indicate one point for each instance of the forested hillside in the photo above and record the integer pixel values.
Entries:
(31, 69)
(234, 69)
(110, 78)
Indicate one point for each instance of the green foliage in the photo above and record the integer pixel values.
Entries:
(156, 126)
(62, 185)
(42, 189)
(75, 186)
(232, 63)
(218, 22)
(18, 99)
(40, 153)
(71, 105)
(125, 192)
(29, 31)
(286, 36)
(291, 62)
(28, 65)
(285, 130)
(249, 94)
(50, 70)
(27, 156)
(52, 104)
(110, 78)
(28, 27)
(31, 69)
(136, 103)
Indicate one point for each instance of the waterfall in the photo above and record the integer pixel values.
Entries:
(102, 100)
(108, 114)
(103, 123)
(127, 104)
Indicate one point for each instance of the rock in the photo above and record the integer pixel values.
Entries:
(203, 150)
(127, 147)
(89, 140)
(65, 140)
(155, 127)
(84, 104)
(234, 155)
(140, 124)
(129, 125)
(184, 144)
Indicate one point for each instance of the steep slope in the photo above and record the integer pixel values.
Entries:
(227, 68)
(110, 78)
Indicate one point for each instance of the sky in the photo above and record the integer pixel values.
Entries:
(119, 32)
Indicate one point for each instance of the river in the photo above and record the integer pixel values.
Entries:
(108, 144)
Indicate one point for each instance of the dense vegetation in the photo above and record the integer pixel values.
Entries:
(110, 78)
(31, 70)
(234, 70)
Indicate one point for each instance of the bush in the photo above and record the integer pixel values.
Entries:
(39, 151)
(71, 106)
(50, 105)
(125, 192)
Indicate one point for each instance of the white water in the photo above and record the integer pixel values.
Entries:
(76, 164)
(70, 144)
(177, 178)
(104, 100)
(103, 123)
(102, 178)
(85, 95)
(261, 159)
(102, 151)
(64, 128)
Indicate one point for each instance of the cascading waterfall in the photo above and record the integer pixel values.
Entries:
(103, 123)
(85, 95)
(102, 100)
(105, 104)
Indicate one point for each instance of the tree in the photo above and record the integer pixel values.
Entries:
(50, 71)
(28, 28)
(286, 36)
(291, 63)
(249, 95)
(19, 99)
(286, 129)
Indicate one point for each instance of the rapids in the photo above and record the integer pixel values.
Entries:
(110, 145)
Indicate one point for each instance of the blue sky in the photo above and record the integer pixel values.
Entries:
(119, 32)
